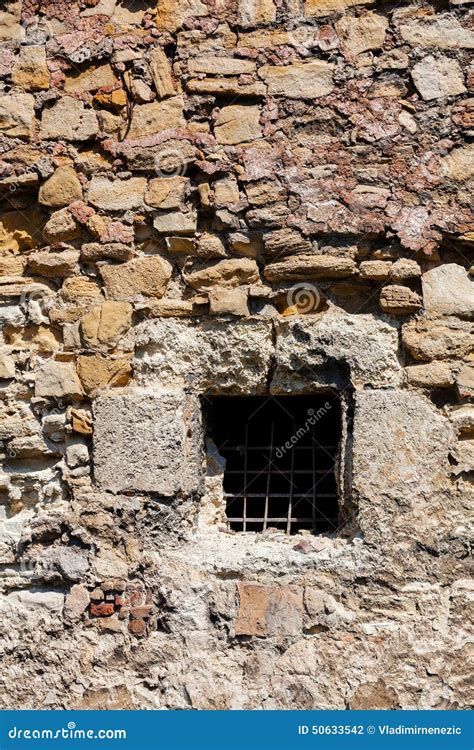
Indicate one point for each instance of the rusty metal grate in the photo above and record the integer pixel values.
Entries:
(280, 461)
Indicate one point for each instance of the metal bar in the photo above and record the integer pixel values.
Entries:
(245, 476)
(281, 472)
(269, 475)
(279, 520)
(292, 473)
(278, 494)
(266, 447)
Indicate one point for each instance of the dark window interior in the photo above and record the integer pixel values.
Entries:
(280, 457)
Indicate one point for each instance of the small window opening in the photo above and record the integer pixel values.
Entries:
(281, 455)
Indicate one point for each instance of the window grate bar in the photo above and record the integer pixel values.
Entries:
(241, 448)
(245, 476)
(278, 471)
(282, 519)
(292, 473)
(269, 475)
(277, 494)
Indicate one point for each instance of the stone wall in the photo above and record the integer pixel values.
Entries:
(242, 197)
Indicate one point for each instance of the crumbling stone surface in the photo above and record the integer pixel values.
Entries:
(338, 350)
(209, 356)
(251, 198)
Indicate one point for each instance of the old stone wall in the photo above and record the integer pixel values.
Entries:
(233, 197)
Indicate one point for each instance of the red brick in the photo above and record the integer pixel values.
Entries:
(102, 610)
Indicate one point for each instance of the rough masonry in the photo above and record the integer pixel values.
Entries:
(253, 197)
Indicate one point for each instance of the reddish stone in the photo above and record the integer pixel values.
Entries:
(136, 597)
(109, 625)
(269, 610)
(104, 609)
(137, 627)
(142, 611)
(81, 212)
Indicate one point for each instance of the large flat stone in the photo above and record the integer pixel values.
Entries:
(361, 34)
(117, 195)
(172, 13)
(436, 78)
(69, 119)
(441, 32)
(253, 12)
(238, 123)
(302, 267)
(318, 8)
(147, 441)
(448, 290)
(400, 459)
(301, 80)
(154, 117)
(232, 357)
(31, 70)
(459, 163)
(335, 349)
(141, 277)
(269, 610)
(17, 115)
(427, 340)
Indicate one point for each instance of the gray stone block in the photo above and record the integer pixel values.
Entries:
(400, 466)
(148, 441)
